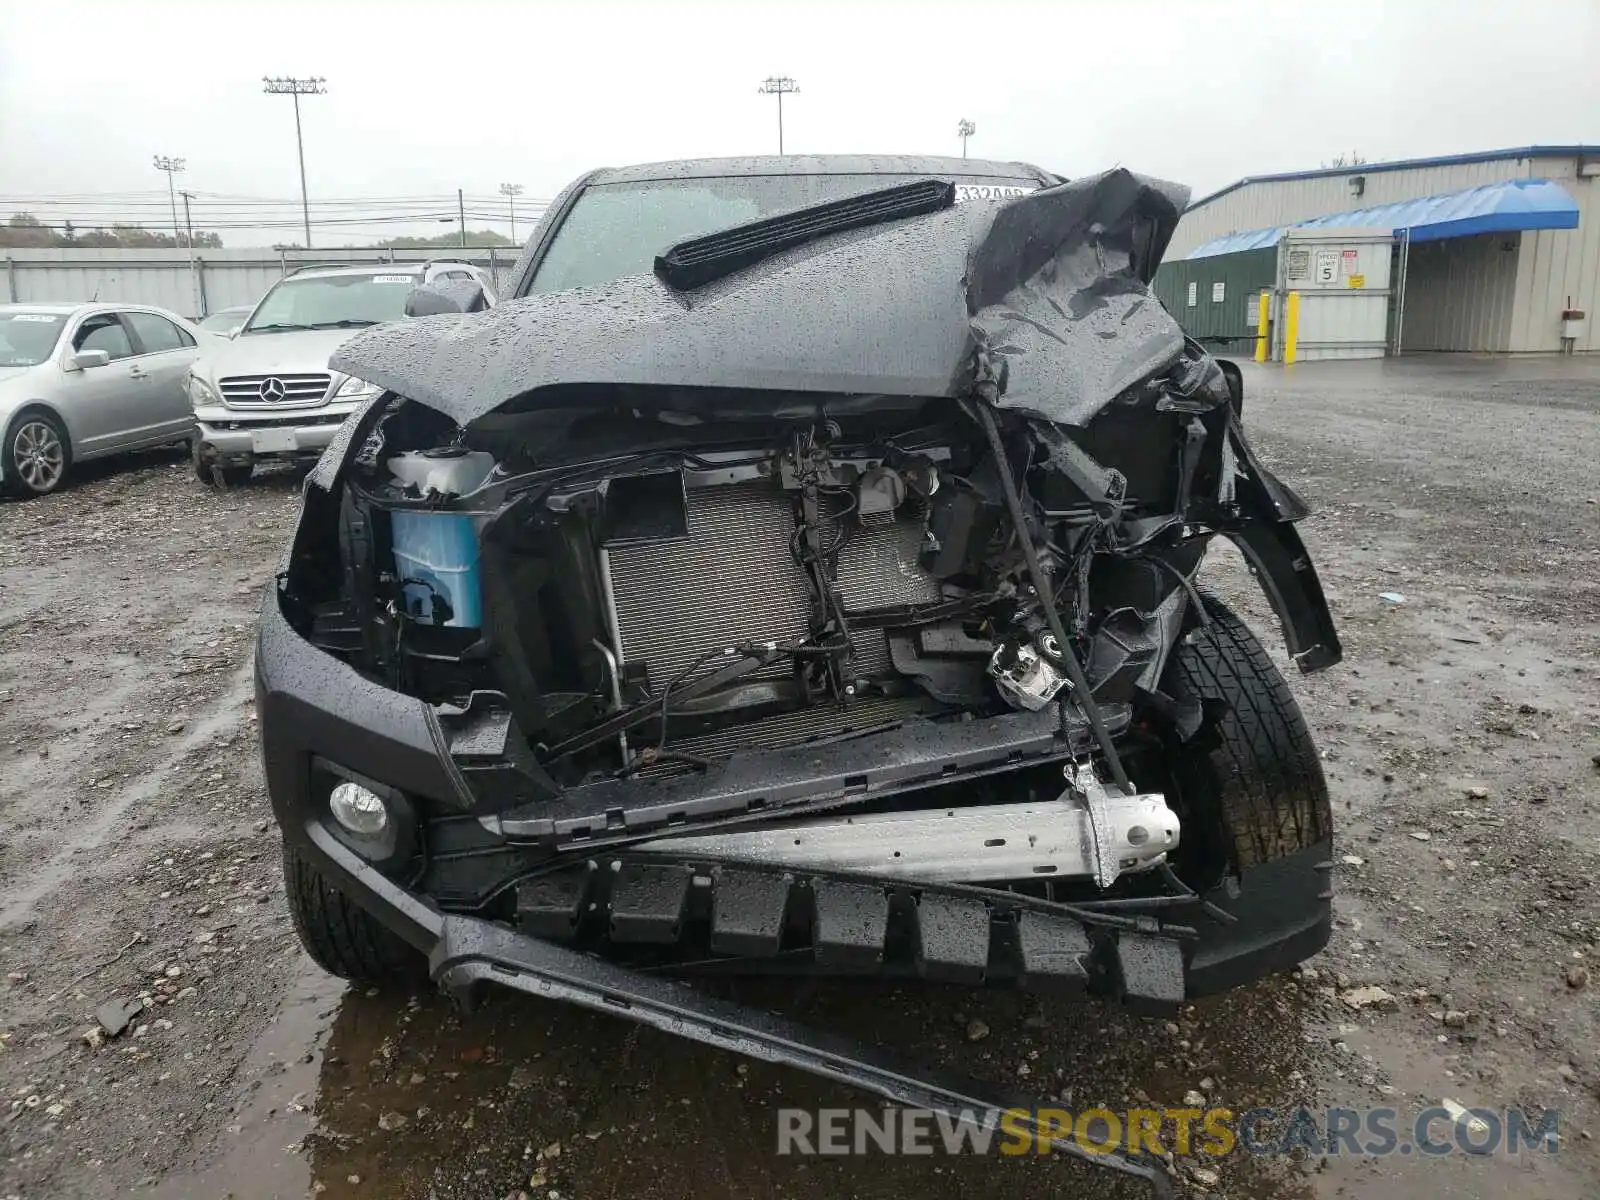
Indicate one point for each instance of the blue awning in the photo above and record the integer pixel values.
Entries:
(1506, 207)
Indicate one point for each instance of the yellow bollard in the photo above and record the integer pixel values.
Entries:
(1263, 315)
(1291, 328)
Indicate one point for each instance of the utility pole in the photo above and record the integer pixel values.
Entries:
(461, 216)
(511, 191)
(779, 86)
(194, 275)
(172, 166)
(188, 222)
(287, 85)
(965, 129)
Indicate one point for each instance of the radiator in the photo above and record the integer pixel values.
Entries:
(878, 567)
(733, 579)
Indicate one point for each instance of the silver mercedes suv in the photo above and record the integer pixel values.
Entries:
(267, 391)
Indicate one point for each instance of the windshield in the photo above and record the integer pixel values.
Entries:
(617, 229)
(27, 338)
(225, 322)
(333, 302)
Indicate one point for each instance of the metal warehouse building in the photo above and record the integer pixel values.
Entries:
(1497, 251)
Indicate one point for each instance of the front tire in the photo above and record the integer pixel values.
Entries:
(1257, 823)
(340, 937)
(35, 455)
(1253, 769)
(208, 471)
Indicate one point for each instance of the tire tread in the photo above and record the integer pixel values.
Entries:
(342, 938)
(1273, 796)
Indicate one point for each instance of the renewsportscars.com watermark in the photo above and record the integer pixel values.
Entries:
(1361, 1132)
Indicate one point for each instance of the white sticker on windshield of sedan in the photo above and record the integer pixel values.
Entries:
(393, 279)
(48, 318)
(990, 191)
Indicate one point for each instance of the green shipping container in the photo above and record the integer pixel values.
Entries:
(1215, 298)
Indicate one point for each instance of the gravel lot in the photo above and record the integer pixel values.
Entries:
(1462, 739)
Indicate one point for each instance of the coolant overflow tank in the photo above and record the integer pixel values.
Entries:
(436, 553)
(448, 470)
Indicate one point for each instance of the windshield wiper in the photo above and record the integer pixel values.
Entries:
(700, 260)
(276, 328)
(347, 323)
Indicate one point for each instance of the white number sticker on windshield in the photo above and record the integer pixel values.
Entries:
(990, 191)
(392, 279)
(48, 318)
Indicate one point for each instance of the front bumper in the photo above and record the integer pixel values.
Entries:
(232, 434)
(466, 956)
(313, 707)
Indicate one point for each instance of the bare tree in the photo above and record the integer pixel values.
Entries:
(1354, 158)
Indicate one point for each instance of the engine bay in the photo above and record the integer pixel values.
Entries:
(649, 585)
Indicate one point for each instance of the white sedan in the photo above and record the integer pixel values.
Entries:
(78, 381)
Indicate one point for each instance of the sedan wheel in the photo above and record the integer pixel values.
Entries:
(38, 455)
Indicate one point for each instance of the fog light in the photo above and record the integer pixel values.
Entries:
(358, 809)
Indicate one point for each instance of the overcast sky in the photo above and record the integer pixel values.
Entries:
(425, 98)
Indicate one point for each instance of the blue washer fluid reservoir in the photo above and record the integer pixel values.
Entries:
(436, 553)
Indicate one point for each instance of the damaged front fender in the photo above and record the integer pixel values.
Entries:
(1278, 558)
(1282, 567)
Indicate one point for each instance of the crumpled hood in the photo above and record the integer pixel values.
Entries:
(1045, 295)
(270, 353)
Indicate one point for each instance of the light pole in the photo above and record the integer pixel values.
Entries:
(172, 166)
(511, 191)
(287, 85)
(965, 129)
(779, 86)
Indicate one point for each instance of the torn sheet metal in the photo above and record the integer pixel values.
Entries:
(1044, 296)
(1058, 290)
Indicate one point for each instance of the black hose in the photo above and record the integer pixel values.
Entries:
(1188, 586)
(1042, 585)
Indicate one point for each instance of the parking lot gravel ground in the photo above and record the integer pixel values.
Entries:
(1457, 531)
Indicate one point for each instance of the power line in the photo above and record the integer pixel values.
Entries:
(212, 226)
(222, 212)
(245, 206)
(215, 217)
(492, 208)
(156, 197)
(318, 211)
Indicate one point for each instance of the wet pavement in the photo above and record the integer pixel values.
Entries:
(406, 1098)
(274, 1080)
(369, 1095)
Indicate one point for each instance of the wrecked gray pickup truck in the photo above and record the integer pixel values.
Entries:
(797, 574)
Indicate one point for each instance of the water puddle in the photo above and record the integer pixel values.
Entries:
(364, 1095)
(361, 1095)
(262, 1155)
